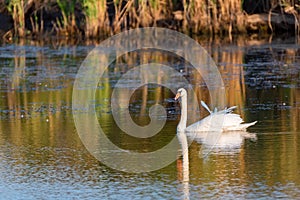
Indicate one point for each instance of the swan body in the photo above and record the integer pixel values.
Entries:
(223, 120)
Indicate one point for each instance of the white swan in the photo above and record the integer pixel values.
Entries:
(224, 119)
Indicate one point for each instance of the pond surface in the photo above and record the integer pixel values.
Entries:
(42, 156)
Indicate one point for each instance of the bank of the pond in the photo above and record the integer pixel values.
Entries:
(91, 19)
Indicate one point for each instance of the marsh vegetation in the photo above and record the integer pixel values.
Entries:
(98, 18)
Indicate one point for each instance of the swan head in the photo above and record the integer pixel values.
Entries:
(181, 92)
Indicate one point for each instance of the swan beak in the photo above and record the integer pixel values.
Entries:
(177, 96)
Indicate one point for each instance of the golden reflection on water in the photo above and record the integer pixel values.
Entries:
(42, 117)
(231, 71)
(21, 103)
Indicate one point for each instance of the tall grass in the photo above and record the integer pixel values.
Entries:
(214, 17)
(67, 24)
(16, 8)
(37, 24)
(122, 18)
(97, 17)
(197, 16)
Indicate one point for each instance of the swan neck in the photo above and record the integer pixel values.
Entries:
(183, 119)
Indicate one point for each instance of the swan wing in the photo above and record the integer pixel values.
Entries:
(232, 119)
(205, 106)
(234, 122)
(226, 110)
(212, 122)
(220, 120)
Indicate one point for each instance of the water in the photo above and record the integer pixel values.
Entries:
(42, 156)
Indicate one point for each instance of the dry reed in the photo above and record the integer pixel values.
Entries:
(96, 19)
(16, 8)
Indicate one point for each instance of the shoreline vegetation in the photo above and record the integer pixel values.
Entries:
(94, 19)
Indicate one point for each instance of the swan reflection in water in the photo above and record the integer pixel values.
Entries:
(220, 132)
(227, 143)
(221, 143)
(183, 165)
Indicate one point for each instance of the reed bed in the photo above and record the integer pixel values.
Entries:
(93, 18)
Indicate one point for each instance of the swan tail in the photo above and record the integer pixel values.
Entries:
(246, 125)
(241, 127)
(230, 110)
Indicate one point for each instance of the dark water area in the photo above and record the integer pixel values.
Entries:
(43, 157)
